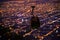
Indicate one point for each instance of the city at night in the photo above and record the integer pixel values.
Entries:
(29, 19)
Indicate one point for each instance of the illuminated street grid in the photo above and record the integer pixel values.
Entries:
(16, 15)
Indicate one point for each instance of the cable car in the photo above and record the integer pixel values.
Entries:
(35, 23)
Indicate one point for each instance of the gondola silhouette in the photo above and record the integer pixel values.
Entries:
(35, 23)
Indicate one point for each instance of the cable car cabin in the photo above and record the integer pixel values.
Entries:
(35, 23)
